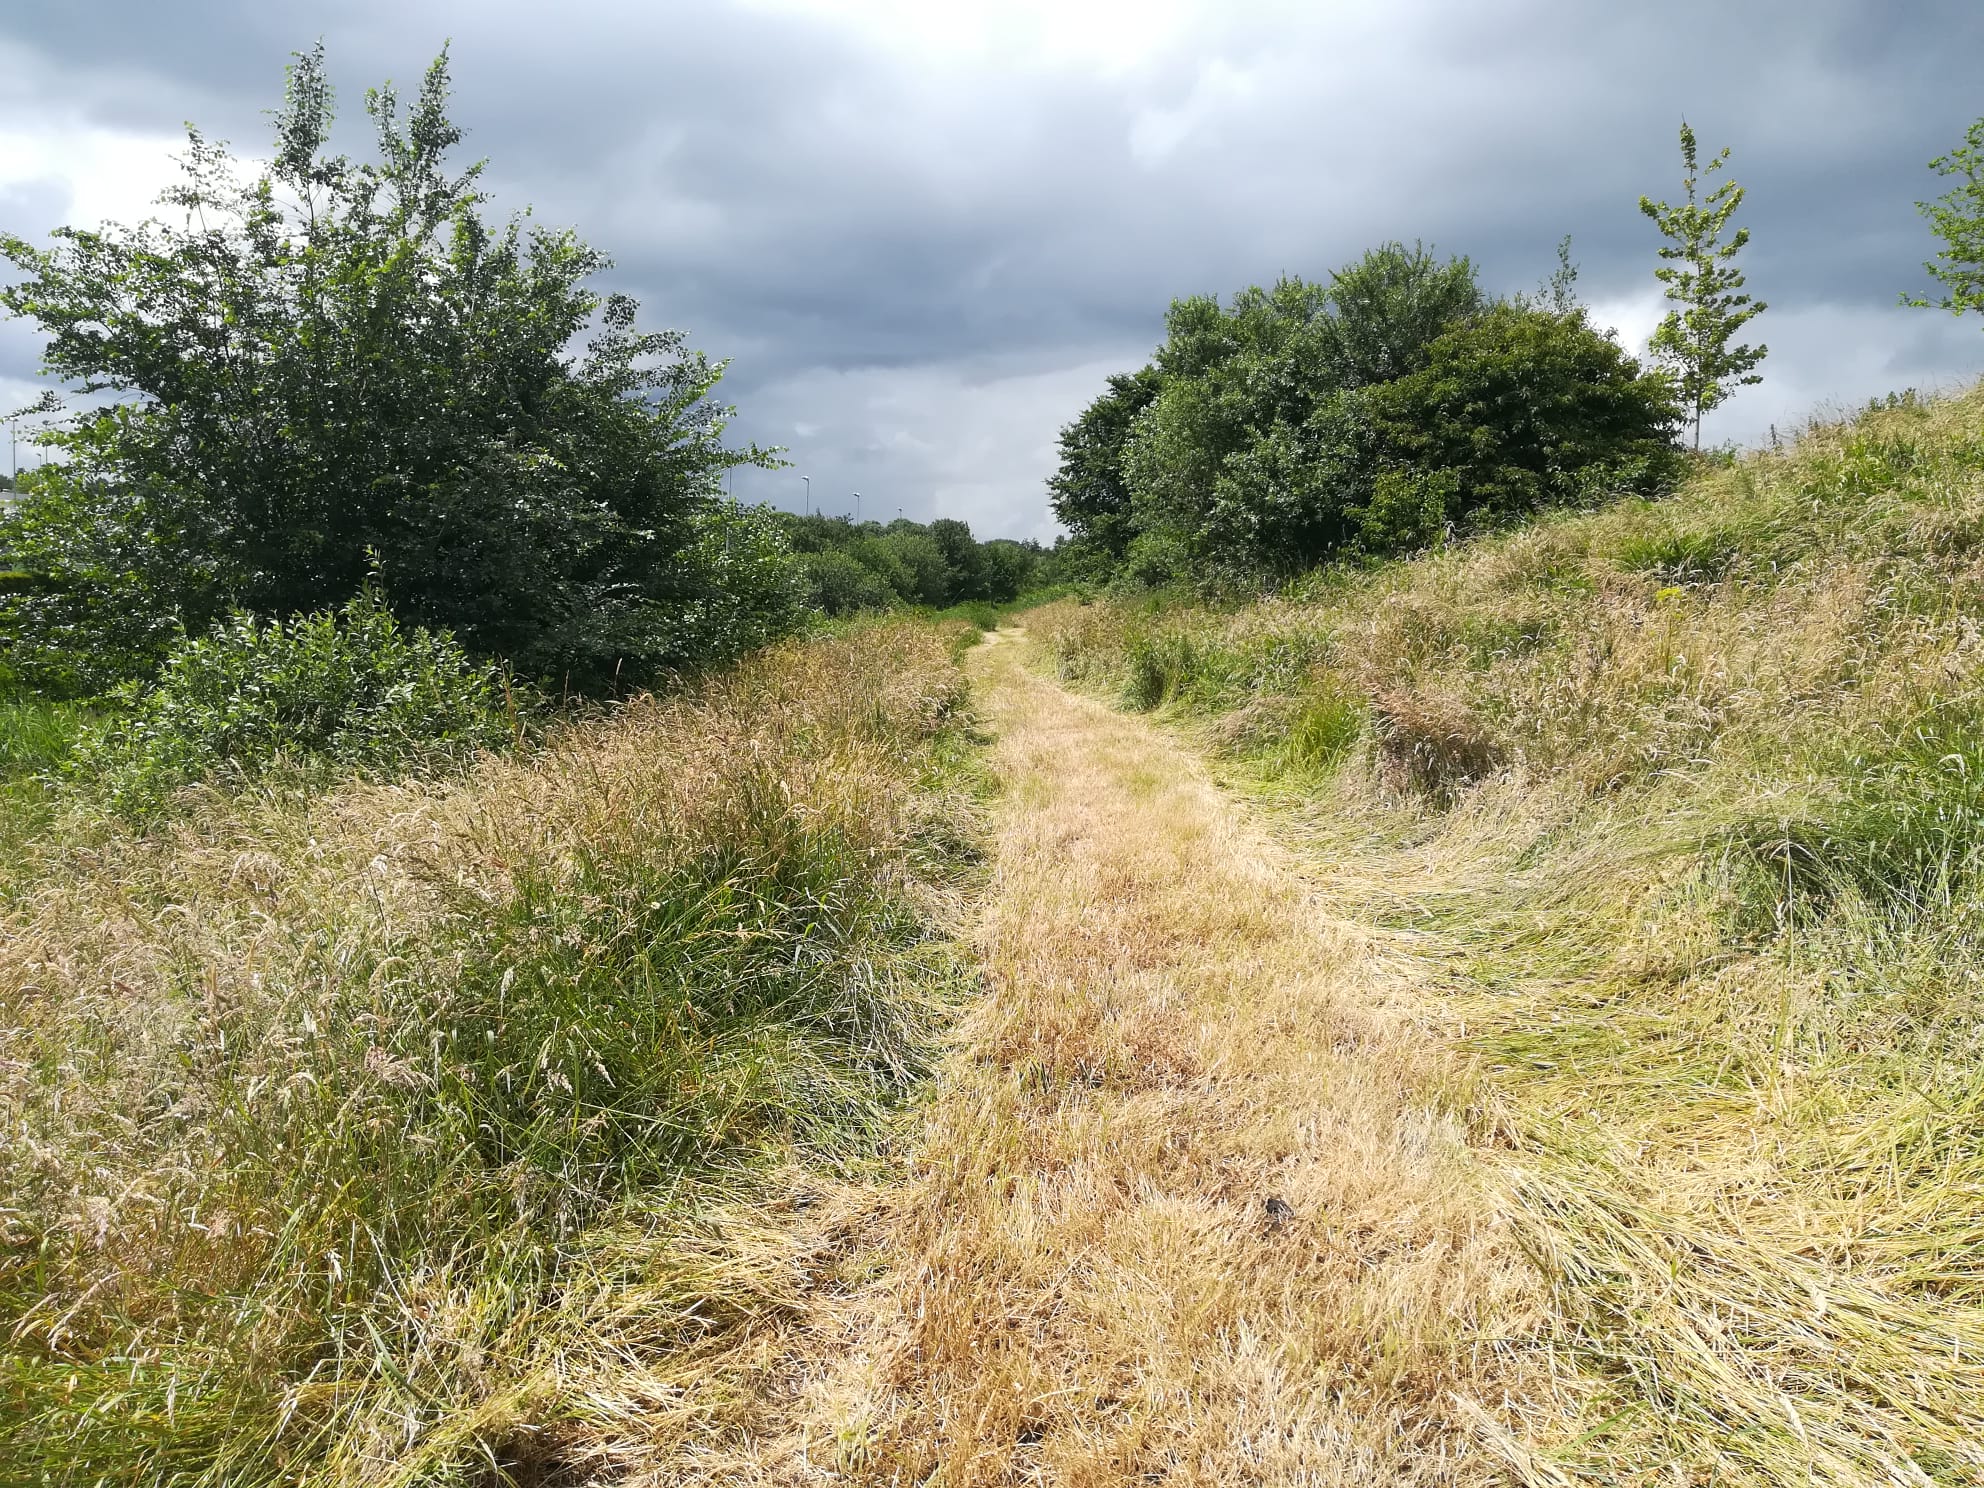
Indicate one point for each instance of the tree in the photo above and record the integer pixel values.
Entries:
(1245, 465)
(1517, 409)
(1699, 272)
(1389, 306)
(1088, 492)
(1958, 219)
(336, 372)
(964, 566)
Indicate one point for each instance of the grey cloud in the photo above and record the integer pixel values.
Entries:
(930, 265)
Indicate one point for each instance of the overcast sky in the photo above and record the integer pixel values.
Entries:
(923, 231)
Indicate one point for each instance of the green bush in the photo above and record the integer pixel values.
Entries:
(1525, 408)
(839, 584)
(752, 589)
(317, 391)
(354, 690)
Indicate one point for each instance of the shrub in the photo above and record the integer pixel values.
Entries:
(317, 387)
(352, 689)
(752, 590)
(1526, 408)
(839, 584)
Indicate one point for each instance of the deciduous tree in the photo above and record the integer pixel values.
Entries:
(336, 371)
(1958, 219)
(1697, 339)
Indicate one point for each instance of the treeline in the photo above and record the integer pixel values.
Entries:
(1371, 413)
(852, 566)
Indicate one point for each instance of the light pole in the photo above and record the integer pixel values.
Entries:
(809, 493)
(857, 508)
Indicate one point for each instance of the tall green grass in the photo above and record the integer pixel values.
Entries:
(1685, 800)
(379, 1138)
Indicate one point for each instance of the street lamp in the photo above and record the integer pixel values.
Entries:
(809, 493)
(857, 508)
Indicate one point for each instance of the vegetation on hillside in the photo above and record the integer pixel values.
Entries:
(374, 1136)
(1680, 799)
(1372, 414)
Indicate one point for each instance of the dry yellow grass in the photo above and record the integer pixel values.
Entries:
(1190, 1201)
(1681, 803)
(367, 1138)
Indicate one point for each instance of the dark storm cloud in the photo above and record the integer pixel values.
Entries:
(921, 262)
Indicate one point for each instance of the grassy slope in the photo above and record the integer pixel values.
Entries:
(1683, 805)
(377, 1137)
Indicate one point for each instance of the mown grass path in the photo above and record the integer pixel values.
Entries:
(1190, 1203)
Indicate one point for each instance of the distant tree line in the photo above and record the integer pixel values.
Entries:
(852, 566)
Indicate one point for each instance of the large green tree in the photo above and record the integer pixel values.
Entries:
(1371, 414)
(1517, 408)
(1957, 217)
(330, 370)
(1697, 339)
(1249, 460)
(1088, 492)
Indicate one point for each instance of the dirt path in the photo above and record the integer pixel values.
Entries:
(1186, 1208)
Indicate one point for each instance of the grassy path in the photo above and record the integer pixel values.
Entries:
(1190, 1204)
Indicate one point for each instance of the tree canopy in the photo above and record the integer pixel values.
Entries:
(1369, 414)
(334, 372)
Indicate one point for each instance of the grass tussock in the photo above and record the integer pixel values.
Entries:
(375, 1137)
(1682, 801)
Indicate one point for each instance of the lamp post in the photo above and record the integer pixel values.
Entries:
(857, 508)
(809, 493)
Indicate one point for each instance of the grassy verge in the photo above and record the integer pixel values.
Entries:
(1681, 802)
(379, 1136)
(36, 737)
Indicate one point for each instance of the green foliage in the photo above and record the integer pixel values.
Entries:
(839, 584)
(1088, 492)
(1701, 278)
(1389, 308)
(102, 586)
(868, 565)
(1372, 415)
(1515, 410)
(1958, 219)
(337, 371)
(354, 690)
(752, 588)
